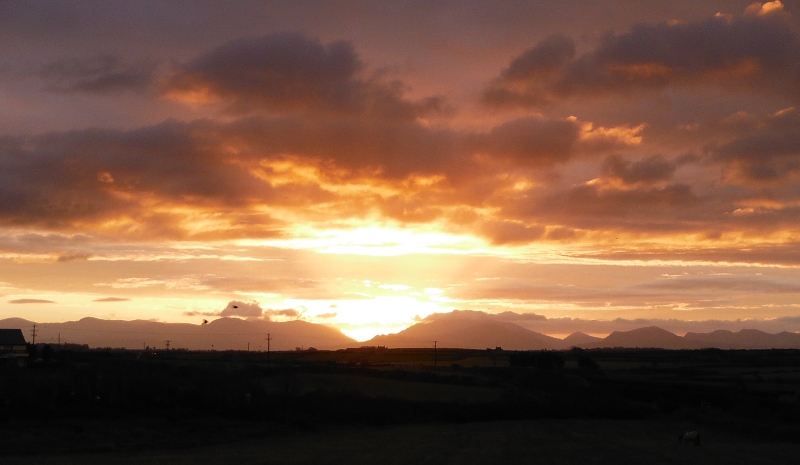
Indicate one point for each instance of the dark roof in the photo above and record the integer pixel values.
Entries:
(11, 337)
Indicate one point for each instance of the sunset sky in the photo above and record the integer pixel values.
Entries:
(364, 164)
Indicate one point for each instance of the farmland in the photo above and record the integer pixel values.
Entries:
(452, 406)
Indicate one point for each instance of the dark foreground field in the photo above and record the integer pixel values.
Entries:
(506, 442)
(395, 406)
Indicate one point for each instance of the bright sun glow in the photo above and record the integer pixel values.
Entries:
(365, 319)
(381, 241)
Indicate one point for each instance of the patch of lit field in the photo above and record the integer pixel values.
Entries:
(509, 442)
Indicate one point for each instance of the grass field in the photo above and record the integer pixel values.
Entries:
(508, 442)
(392, 407)
(376, 387)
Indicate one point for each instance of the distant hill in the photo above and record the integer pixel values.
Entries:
(650, 337)
(468, 331)
(457, 329)
(579, 339)
(746, 339)
(220, 334)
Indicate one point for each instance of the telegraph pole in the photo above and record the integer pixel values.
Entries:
(33, 333)
(268, 339)
(167, 344)
(434, 354)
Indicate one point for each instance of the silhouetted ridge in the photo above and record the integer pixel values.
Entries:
(469, 330)
(650, 337)
(220, 334)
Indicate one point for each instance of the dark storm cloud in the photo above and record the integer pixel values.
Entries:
(291, 72)
(592, 207)
(64, 179)
(524, 81)
(99, 74)
(152, 175)
(531, 141)
(758, 52)
(385, 150)
(317, 111)
(767, 153)
(649, 170)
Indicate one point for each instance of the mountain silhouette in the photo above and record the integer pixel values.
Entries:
(467, 330)
(220, 334)
(579, 339)
(746, 339)
(649, 337)
(458, 329)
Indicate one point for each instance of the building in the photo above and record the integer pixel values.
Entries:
(13, 348)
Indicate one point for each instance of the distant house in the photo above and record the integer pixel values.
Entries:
(13, 348)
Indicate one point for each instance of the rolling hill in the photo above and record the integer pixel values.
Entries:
(458, 329)
(469, 331)
(220, 334)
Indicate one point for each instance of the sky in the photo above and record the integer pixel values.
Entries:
(366, 164)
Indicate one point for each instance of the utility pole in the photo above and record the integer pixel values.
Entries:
(268, 339)
(33, 333)
(434, 354)
(167, 344)
(59, 340)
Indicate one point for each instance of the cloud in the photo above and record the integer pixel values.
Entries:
(758, 52)
(595, 207)
(291, 73)
(725, 283)
(510, 232)
(768, 153)
(565, 326)
(245, 309)
(291, 152)
(254, 284)
(165, 180)
(287, 313)
(787, 254)
(237, 308)
(73, 256)
(100, 74)
(112, 299)
(531, 141)
(524, 81)
(646, 171)
(30, 301)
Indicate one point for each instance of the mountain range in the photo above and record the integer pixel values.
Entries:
(458, 329)
(219, 334)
